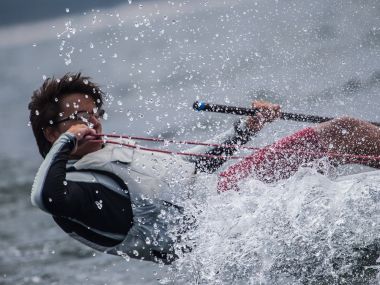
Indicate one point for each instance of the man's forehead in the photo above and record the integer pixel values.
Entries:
(78, 98)
(76, 102)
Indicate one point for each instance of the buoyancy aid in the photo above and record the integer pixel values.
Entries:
(147, 174)
(156, 184)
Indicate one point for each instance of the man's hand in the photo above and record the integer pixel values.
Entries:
(82, 133)
(267, 112)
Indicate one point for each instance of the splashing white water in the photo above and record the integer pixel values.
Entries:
(305, 230)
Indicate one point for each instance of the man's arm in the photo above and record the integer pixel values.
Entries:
(50, 191)
(240, 137)
(243, 131)
(78, 199)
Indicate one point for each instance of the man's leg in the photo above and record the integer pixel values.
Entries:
(277, 161)
(351, 136)
(281, 159)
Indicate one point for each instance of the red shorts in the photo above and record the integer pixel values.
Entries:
(277, 161)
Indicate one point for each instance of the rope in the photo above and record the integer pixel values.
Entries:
(352, 157)
(169, 151)
(177, 142)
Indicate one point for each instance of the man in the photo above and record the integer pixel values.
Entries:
(125, 201)
(114, 199)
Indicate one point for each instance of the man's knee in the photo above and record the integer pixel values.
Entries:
(341, 126)
(346, 122)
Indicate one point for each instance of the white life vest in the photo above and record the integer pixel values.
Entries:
(153, 179)
(146, 173)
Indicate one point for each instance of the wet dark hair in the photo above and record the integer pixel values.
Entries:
(44, 105)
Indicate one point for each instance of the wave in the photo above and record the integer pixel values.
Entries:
(309, 229)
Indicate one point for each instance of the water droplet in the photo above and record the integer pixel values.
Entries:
(50, 200)
(91, 45)
(99, 204)
(67, 10)
(64, 182)
(119, 103)
(135, 253)
(37, 113)
(36, 279)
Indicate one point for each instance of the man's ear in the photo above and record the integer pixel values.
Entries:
(51, 134)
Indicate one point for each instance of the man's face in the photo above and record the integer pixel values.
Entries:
(79, 104)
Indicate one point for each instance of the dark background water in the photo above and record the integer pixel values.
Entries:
(154, 58)
(14, 12)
